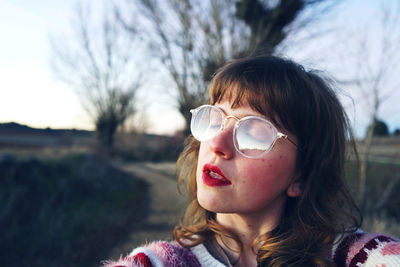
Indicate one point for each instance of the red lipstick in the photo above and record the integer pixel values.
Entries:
(213, 176)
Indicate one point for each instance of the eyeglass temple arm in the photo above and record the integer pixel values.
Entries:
(281, 135)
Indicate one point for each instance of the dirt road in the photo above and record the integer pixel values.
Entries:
(167, 206)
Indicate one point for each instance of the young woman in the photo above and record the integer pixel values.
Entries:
(264, 170)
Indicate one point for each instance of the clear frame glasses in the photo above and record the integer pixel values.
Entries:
(253, 136)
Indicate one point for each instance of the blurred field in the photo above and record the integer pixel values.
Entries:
(62, 206)
(22, 140)
(68, 211)
(384, 149)
(381, 207)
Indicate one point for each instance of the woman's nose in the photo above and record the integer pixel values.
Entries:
(222, 144)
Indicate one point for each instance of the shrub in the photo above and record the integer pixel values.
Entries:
(65, 212)
(380, 128)
(381, 204)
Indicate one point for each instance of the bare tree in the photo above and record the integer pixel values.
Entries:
(193, 38)
(98, 61)
(376, 70)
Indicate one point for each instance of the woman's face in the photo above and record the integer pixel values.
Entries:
(228, 182)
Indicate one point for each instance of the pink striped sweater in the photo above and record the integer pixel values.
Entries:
(356, 250)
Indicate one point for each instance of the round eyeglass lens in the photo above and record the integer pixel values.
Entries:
(254, 136)
(206, 123)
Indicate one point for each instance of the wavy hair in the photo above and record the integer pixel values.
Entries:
(305, 104)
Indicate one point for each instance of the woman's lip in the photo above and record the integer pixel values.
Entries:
(210, 172)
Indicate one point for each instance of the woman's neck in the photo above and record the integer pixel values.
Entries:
(246, 229)
(246, 257)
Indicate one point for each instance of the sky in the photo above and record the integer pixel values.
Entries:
(31, 94)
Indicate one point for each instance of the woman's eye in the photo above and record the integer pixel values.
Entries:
(215, 123)
(214, 126)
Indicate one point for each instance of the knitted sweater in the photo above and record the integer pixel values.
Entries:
(355, 250)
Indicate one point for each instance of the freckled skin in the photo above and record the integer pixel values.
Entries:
(259, 186)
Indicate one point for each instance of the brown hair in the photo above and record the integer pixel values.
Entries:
(303, 103)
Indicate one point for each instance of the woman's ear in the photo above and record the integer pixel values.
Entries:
(294, 189)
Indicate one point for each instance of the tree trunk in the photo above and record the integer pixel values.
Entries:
(364, 162)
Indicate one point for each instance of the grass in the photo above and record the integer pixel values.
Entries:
(380, 206)
(69, 211)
